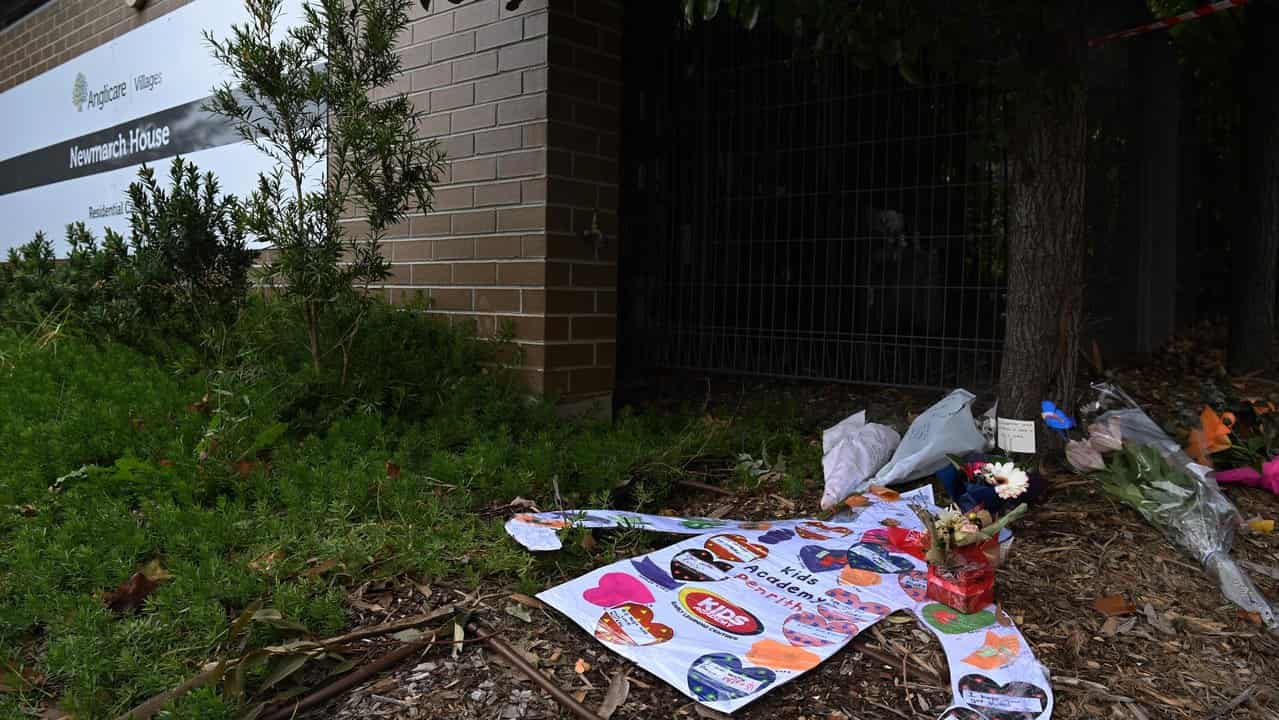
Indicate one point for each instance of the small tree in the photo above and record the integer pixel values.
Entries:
(304, 98)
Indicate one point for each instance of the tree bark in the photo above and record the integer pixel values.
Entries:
(1046, 252)
(1255, 250)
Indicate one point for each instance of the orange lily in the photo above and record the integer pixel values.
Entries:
(1212, 436)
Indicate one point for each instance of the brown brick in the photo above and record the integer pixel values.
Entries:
(474, 118)
(594, 115)
(432, 274)
(400, 275)
(522, 55)
(406, 250)
(594, 168)
(528, 6)
(498, 87)
(559, 219)
(434, 27)
(595, 327)
(606, 354)
(495, 300)
(453, 46)
(533, 191)
(473, 169)
(566, 136)
(534, 246)
(474, 66)
(531, 380)
(521, 273)
(591, 381)
(507, 193)
(536, 24)
(475, 325)
(532, 302)
(594, 275)
(451, 298)
(606, 302)
(501, 246)
(454, 249)
(502, 33)
(530, 218)
(458, 146)
(534, 80)
(560, 301)
(414, 56)
(529, 162)
(452, 198)
(555, 383)
(454, 97)
(574, 30)
(574, 192)
(531, 327)
(601, 12)
(568, 246)
(507, 138)
(484, 273)
(433, 126)
(557, 274)
(429, 224)
(521, 109)
(559, 162)
(472, 223)
(432, 77)
(562, 356)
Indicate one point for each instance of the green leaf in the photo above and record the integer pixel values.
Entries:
(283, 667)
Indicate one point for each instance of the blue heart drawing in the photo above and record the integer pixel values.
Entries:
(777, 535)
(651, 571)
(872, 557)
(819, 559)
(721, 676)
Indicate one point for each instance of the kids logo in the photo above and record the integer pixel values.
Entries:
(718, 612)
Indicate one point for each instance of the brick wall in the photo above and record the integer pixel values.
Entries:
(62, 29)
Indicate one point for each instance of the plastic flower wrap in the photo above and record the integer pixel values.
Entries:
(1155, 477)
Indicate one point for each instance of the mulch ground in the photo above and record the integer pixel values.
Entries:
(1184, 653)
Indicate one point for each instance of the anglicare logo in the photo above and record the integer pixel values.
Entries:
(79, 91)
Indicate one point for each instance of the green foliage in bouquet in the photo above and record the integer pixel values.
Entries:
(1142, 479)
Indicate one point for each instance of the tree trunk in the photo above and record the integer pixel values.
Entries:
(1046, 251)
(1255, 250)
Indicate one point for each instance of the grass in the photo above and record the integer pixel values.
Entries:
(244, 491)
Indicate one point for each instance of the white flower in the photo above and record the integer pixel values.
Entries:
(949, 517)
(1008, 479)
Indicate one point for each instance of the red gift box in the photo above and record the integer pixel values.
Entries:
(967, 587)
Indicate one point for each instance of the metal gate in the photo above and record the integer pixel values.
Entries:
(799, 217)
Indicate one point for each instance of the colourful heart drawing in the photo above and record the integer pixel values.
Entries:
(1014, 701)
(697, 565)
(877, 536)
(631, 624)
(819, 559)
(777, 535)
(946, 619)
(961, 713)
(813, 530)
(914, 584)
(721, 676)
(848, 607)
(998, 651)
(617, 588)
(859, 578)
(735, 548)
(812, 630)
(772, 654)
(868, 556)
(653, 573)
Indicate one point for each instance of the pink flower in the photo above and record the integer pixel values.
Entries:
(1106, 437)
(1083, 457)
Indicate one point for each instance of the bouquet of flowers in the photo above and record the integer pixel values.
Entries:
(1140, 465)
(963, 549)
(989, 482)
(1243, 446)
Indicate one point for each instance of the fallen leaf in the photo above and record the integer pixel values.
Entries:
(520, 503)
(1251, 617)
(581, 666)
(526, 601)
(580, 696)
(1158, 622)
(154, 571)
(618, 688)
(555, 656)
(16, 679)
(264, 563)
(408, 635)
(366, 606)
(130, 595)
(245, 468)
(319, 569)
(392, 471)
(519, 611)
(588, 541)
(709, 714)
(1261, 526)
(164, 462)
(1114, 605)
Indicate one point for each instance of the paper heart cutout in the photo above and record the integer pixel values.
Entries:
(819, 559)
(814, 530)
(649, 569)
(735, 548)
(845, 606)
(859, 578)
(721, 676)
(698, 565)
(874, 558)
(772, 654)
(999, 650)
(617, 588)
(702, 523)
(961, 713)
(914, 584)
(813, 630)
(1015, 701)
(950, 621)
(875, 536)
(777, 535)
(631, 624)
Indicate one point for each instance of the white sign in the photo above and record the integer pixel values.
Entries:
(75, 136)
(1016, 436)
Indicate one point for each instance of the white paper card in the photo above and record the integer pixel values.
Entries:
(1016, 436)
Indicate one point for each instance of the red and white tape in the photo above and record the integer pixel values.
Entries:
(1168, 22)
